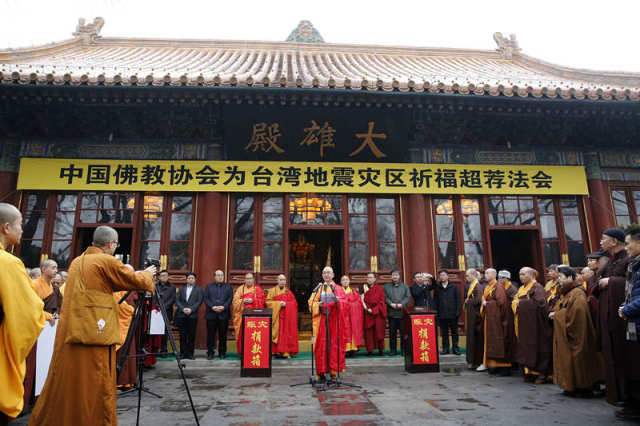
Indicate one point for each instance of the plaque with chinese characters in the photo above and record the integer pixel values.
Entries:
(256, 343)
(315, 134)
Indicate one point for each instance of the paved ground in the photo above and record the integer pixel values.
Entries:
(388, 396)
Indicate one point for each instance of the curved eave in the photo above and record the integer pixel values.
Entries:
(363, 68)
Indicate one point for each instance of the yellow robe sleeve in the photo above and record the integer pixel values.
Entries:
(24, 318)
(274, 305)
(237, 304)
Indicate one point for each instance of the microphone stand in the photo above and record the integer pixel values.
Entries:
(137, 328)
(312, 379)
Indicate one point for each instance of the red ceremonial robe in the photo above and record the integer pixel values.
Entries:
(375, 323)
(336, 313)
(355, 318)
(257, 294)
(288, 319)
(154, 341)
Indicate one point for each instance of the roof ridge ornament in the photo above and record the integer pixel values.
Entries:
(506, 46)
(88, 33)
(305, 33)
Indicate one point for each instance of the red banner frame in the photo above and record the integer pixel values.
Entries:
(424, 339)
(256, 339)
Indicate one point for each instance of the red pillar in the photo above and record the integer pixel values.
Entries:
(601, 208)
(418, 235)
(8, 185)
(210, 247)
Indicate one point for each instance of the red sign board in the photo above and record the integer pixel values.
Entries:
(255, 342)
(423, 335)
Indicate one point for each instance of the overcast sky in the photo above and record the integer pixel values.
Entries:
(600, 35)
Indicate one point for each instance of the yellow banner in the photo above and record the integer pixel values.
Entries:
(253, 176)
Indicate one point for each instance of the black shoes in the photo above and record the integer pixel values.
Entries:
(456, 351)
(209, 357)
(223, 356)
(445, 351)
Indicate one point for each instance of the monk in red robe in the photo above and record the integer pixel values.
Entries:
(247, 296)
(354, 316)
(154, 341)
(375, 317)
(284, 331)
(328, 299)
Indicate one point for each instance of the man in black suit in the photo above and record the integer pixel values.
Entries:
(217, 297)
(167, 293)
(189, 299)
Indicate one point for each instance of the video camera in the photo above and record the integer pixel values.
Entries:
(149, 262)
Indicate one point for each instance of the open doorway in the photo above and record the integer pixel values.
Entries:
(513, 249)
(309, 252)
(84, 237)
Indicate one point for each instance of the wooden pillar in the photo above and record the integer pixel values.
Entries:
(601, 208)
(419, 256)
(8, 185)
(210, 248)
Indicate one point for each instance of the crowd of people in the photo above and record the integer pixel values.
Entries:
(579, 330)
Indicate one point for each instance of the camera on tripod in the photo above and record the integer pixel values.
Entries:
(149, 262)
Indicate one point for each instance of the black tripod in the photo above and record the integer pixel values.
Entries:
(137, 331)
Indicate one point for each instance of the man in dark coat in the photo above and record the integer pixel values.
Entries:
(620, 358)
(449, 306)
(217, 298)
(421, 291)
(189, 299)
(630, 312)
(167, 293)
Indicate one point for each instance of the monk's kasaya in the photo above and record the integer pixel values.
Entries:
(328, 301)
(375, 315)
(284, 308)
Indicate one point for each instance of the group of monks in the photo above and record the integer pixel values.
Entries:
(338, 306)
(576, 331)
(572, 331)
(25, 307)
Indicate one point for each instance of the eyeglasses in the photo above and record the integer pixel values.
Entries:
(117, 243)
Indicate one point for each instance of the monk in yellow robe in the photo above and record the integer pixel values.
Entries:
(87, 371)
(284, 319)
(46, 289)
(21, 315)
(247, 296)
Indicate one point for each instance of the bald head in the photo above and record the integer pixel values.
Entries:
(104, 235)
(8, 213)
(490, 274)
(49, 269)
(527, 274)
(10, 225)
(47, 263)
